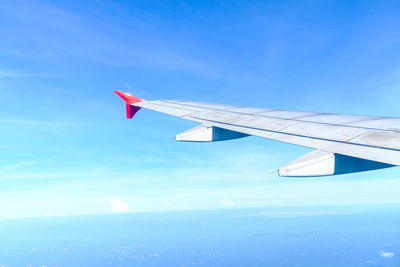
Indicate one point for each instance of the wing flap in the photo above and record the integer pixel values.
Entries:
(381, 139)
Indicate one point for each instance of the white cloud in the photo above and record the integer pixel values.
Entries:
(119, 206)
(227, 203)
(386, 254)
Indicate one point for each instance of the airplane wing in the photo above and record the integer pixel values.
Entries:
(342, 143)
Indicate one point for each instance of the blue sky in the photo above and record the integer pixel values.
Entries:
(67, 148)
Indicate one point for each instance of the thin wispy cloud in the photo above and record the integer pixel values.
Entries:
(28, 122)
(55, 124)
(134, 91)
(291, 213)
(13, 74)
(18, 165)
(76, 35)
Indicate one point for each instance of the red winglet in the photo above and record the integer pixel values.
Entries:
(130, 100)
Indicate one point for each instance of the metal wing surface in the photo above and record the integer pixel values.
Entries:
(373, 139)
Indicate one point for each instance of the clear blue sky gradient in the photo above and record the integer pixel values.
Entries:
(66, 147)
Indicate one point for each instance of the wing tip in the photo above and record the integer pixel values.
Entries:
(129, 99)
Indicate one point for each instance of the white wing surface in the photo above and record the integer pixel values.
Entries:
(344, 143)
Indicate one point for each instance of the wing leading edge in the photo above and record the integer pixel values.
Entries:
(342, 143)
